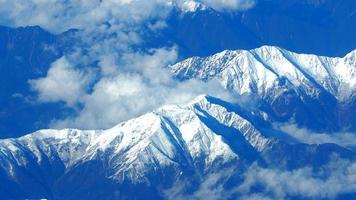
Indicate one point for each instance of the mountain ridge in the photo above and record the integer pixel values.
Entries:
(182, 142)
(286, 85)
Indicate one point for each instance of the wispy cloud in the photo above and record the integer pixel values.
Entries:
(259, 183)
(211, 187)
(338, 177)
(345, 139)
(229, 5)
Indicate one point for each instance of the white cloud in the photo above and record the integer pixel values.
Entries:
(345, 139)
(338, 177)
(210, 187)
(130, 84)
(327, 182)
(60, 15)
(222, 5)
(62, 83)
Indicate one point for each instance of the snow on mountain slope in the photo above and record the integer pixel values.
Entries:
(177, 142)
(192, 6)
(261, 69)
(68, 145)
(291, 85)
(171, 135)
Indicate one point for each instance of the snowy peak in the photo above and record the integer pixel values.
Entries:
(68, 145)
(262, 69)
(202, 132)
(199, 132)
(316, 92)
(192, 6)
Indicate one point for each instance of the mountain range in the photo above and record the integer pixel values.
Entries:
(275, 120)
(320, 27)
(208, 145)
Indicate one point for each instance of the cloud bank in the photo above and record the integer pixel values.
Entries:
(60, 15)
(129, 85)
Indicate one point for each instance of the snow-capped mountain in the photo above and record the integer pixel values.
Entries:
(178, 144)
(316, 91)
(192, 6)
(286, 129)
